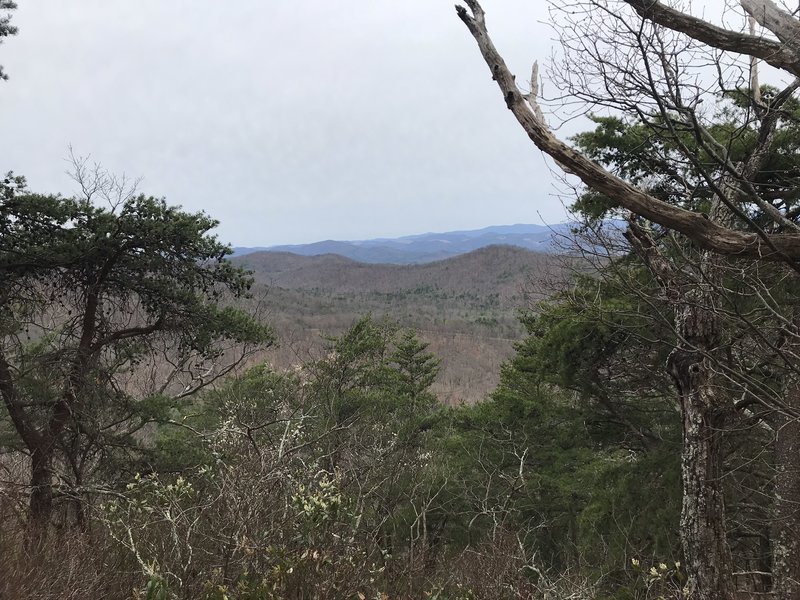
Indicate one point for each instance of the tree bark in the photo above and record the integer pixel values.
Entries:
(786, 508)
(771, 52)
(707, 556)
(703, 536)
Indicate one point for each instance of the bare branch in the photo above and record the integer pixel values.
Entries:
(776, 54)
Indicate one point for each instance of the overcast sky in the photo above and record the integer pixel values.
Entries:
(290, 121)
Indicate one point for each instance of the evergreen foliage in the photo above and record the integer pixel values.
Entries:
(6, 28)
(93, 302)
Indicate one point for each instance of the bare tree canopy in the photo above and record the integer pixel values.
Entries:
(658, 74)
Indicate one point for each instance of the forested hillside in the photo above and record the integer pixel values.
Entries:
(466, 308)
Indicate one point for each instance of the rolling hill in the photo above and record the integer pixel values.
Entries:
(466, 307)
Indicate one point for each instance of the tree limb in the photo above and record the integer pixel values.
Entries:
(773, 53)
(131, 332)
(785, 27)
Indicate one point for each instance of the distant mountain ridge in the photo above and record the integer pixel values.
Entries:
(498, 270)
(429, 247)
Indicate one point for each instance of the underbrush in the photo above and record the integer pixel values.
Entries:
(81, 566)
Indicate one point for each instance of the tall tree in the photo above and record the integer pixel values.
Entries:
(644, 60)
(100, 310)
(751, 331)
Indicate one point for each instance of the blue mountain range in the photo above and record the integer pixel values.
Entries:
(428, 247)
